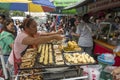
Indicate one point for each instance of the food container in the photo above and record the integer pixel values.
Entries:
(108, 57)
(30, 74)
(78, 58)
(104, 62)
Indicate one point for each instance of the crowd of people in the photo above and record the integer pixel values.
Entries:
(16, 38)
(83, 29)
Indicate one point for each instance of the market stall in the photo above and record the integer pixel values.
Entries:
(106, 40)
(54, 61)
(102, 47)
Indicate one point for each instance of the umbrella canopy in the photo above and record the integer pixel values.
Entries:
(27, 5)
(6, 1)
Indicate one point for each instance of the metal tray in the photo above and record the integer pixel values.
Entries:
(64, 51)
(51, 75)
(38, 65)
(79, 64)
(30, 74)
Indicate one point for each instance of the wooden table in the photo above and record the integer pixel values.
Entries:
(102, 47)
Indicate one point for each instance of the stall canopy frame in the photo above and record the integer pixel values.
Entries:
(79, 4)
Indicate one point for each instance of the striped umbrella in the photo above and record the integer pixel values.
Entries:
(28, 5)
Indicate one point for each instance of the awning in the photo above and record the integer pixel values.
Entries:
(78, 4)
(71, 11)
(103, 5)
(64, 3)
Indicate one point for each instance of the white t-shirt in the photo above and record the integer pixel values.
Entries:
(85, 39)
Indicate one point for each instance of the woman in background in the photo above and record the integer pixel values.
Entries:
(85, 32)
(7, 38)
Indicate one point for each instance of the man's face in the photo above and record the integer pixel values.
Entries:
(1, 20)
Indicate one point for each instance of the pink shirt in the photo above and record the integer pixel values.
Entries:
(18, 47)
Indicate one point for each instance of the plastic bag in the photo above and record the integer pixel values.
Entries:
(92, 71)
(94, 74)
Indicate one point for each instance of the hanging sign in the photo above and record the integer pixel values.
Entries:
(103, 4)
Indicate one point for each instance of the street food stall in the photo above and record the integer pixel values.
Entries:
(54, 61)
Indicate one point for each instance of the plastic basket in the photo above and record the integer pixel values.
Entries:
(103, 62)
